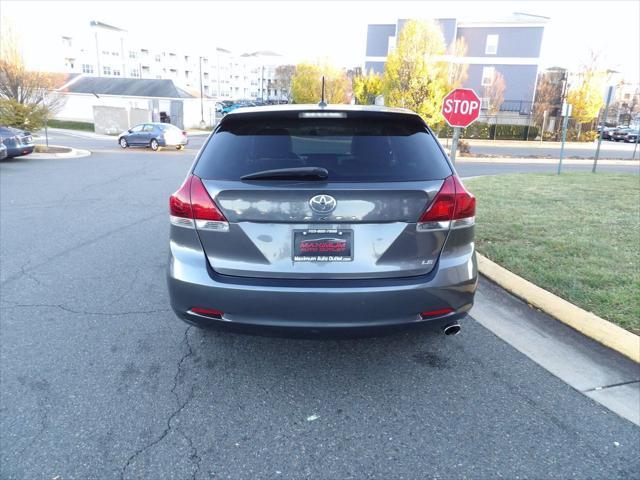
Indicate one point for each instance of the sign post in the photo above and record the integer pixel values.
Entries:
(604, 122)
(460, 108)
(566, 113)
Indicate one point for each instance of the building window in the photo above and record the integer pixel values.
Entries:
(106, 70)
(70, 62)
(115, 54)
(487, 76)
(104, 52)
(135, 73)
(491, 48)
(186, 74)
(87, 68)
(158, 58)
(133, 54)
(66, 41)
(116, 72)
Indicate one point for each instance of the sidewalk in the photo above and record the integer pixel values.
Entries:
(546, 161)
(537, 144)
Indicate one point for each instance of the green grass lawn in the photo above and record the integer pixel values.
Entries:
(576, 235)
(86, 126)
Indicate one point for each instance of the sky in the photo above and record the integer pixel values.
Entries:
(336, 30)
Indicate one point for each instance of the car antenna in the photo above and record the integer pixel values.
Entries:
(322, 102)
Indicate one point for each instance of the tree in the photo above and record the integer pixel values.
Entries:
(283, 77)
(494, 96)
(366, 88)
(494, 93)
(415, 76)
(586, 93)
(548, 96)
(306, 84)
(25, 96)
(458, 71)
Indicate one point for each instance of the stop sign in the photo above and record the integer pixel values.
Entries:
(461, 107)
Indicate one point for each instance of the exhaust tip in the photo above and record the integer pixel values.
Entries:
(452, 329)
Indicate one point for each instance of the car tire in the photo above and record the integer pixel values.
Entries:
(155, 146)
(179, 147)
(123, 142)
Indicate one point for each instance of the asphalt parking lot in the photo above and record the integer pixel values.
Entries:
(100, 380)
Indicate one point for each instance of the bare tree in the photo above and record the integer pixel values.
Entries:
(26, 97)
(458, 71)
(548, 94)
(284, 75)
(494, 95)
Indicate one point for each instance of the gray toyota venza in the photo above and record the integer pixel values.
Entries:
(312, 219)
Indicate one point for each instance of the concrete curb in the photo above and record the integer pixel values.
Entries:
(590, 325)
(74, 153)
(548, 161)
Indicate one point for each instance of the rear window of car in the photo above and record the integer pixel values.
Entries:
(167, 127)
(357, 148)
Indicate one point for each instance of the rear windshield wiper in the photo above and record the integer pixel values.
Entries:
(297, 173)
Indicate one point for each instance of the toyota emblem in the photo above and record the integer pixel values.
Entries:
(323, 203)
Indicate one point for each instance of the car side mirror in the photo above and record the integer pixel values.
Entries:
(130, 131)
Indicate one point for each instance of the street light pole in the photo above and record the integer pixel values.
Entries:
(202, 124)
(604, 122)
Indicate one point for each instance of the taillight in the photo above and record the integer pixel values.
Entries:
(452, 207)
(209, 312)
(192, 206)
(436, 313)
(184, 134)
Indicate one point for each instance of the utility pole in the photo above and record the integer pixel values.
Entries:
(202, 124)
(566, 113)
(604, 121)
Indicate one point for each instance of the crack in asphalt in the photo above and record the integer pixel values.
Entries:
(85, 243)
(44, 419)
(83, 312)
(29, 275)
(180, 406)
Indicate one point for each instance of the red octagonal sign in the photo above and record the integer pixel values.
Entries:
(461, 107)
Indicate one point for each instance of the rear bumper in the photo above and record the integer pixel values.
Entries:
(21, 150)
(165, 143)
(319, 306)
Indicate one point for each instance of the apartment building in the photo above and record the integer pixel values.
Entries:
(104, 50)
(510, 46)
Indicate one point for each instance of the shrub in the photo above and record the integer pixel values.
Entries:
(488, 131)
(463, 147)
(21, 115)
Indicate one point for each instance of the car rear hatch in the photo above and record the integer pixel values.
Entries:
(321, 195)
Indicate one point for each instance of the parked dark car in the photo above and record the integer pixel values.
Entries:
(3, 150)
(18, 142)
(619, 134)
(154, 136)
(632, 136)
(341, 220)
(608, 132)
